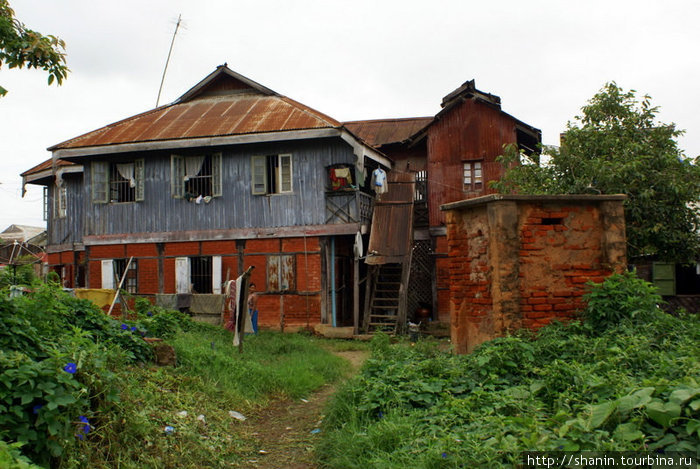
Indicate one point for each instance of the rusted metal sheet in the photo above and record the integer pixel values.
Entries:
(48, 164)
(387, 131)
(392, 221)
(208, 117)
(222, 107)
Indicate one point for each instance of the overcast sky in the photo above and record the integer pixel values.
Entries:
(360, 59)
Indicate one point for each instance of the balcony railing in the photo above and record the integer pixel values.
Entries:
(348, 206)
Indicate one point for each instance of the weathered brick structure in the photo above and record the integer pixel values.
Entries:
(524, 261)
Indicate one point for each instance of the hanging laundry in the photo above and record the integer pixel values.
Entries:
(340, 178)
(379, 183)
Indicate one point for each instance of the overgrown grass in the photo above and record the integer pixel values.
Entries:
(211, 379)
(633, 386)
(77, 388)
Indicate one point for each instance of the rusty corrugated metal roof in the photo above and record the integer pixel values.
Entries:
(48, 164)
(386, 131)
(222, 104)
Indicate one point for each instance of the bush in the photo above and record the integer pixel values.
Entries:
(620, 297)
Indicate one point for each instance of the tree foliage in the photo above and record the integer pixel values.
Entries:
(617, 146)
(22, 47)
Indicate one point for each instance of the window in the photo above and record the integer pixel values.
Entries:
(280, 273)
(473, 179)
(194, 176)
(131, 280)
(201, 274)
(271, 174)
(117, 182)
(60, 196)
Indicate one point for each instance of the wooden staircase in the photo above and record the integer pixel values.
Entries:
(384, 299)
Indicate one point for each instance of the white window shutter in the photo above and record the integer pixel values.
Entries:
(285, 173)
(182, 275)
(258, 166)
(108, 274)
(216, 274)
(216, 174)
(139, 175)
(100, 181)
(177, 176)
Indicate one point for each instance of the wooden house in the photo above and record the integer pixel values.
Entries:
(230, 175)
(233, 175)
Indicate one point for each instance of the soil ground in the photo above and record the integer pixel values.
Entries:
(286, 431)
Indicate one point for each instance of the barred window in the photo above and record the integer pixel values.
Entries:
(131, 280)
(117, 182)
(201, 274)
(195, 176)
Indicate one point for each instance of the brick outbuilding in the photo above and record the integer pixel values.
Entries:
(523, 261)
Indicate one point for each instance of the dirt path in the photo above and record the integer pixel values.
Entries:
(285, 430)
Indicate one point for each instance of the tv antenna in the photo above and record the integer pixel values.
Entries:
(167, 61)
(17, 254)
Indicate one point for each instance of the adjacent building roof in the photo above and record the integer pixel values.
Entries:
(380, 132)
(21, 233)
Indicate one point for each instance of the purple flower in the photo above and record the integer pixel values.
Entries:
(149, 313)
(444, 455)
(36, 409)
(124, 327)
(85, 428)
(70, 368)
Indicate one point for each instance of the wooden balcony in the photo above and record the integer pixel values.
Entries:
(348, 206)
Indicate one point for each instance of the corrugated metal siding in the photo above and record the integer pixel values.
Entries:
(471, 131)
(237, 207)
(68, 229)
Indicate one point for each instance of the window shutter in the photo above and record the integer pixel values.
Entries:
(286, 273)
(258, 165)
(139, 175)
(182, 274)
(216, 274)
(273, 273)
(108, 274)
(45, 198)
(62, 201)
(285, 173)
(216, 174)
(177, 176)
(100, 181)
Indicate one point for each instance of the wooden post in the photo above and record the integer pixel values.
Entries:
(121, 282)
(356, 296)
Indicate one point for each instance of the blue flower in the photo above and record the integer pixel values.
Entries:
(83, 419)
(124, 327)
(70, 368)
(36, 409)
(444, 455)
(133, 328)
(149, 313)
(85, 428)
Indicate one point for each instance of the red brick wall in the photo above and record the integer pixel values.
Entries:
(255, 253)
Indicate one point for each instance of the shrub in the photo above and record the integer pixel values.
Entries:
(620, 297)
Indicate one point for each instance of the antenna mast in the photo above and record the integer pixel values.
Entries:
(162, 80)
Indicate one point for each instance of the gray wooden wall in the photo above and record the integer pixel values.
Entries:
(236, 208)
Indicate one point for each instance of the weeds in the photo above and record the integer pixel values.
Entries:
(628, 383)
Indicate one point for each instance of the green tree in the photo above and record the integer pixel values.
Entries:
(616, 146)
(22, 47)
